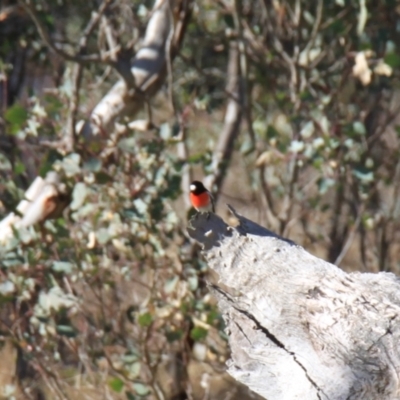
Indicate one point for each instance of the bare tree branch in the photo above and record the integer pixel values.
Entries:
(77, 76)
(80, 58)
(233, 118)
(148, 69)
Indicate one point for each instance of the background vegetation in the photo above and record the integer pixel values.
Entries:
(287, 109)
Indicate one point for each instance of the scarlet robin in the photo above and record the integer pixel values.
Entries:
(200, 197)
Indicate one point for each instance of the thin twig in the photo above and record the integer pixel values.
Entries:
(105, 58)
(73, 108)
(112, 44)
(288, 200)
(244, 73)
(214, 73)
(267, 192)
(233, 118)
(279, 48)
(182, 145)
(67, 143)
(350, 239)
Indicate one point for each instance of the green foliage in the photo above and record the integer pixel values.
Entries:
(198, 333)
(16, 116)
(119, 225)
(117, 385)
(393, 60)
(145, 319)
(140, 389)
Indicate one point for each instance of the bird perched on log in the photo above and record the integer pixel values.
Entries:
(201, 198)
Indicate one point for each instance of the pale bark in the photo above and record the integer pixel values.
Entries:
(147, 72)
(299, 327)
(45, 198)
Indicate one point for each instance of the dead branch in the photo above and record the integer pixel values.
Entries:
(77, 77)
(80, 58)
(299, 327)
(233, 118)
(148, 69)
(44, 199)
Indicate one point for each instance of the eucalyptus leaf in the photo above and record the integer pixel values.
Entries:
(7, 287)
(193, 282)
(93, 164)
(70, 164)
(145, 319)
(16, 116)
(324, 184)
(359, 128)
(78, 195)
(308, 129)
(198, 333)
(128, 145)
(140, 206)
(165, 131)
(134, 369)
(364, 174)
(141, 389)
(296, 146)
(170, 284)
(66, 330)
(5, 164)
(116, 384)
(63, 266)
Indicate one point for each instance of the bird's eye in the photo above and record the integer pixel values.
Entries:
(192, 187)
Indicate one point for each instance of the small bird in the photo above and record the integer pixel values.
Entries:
(200, 197)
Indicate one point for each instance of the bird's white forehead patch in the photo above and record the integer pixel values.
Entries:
(192, 187)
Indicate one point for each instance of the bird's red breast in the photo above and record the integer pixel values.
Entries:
(201, 200)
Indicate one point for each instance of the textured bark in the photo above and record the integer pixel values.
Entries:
(299, 327)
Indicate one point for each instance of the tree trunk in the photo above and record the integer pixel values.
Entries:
(299, 327)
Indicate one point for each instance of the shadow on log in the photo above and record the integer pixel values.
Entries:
(299, 327)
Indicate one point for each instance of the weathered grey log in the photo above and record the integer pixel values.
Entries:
(299, 327)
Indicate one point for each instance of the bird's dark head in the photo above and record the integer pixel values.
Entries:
(197, 187)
